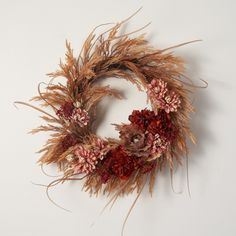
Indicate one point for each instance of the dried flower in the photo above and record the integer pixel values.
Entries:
(85, 157)
(163, 126)
(85, 160)
(159, 146)
(167, 100)
(157, 89)
(80, 117)
(117, 163)
(69, 141)
(172, 102)
(100, 148)
(142, 118)
(134, 140)
(65, 111)
(70, 158)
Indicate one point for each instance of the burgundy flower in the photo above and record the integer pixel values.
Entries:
(117, 163)
(148, 135)
(142, 118)
(163, 126)
(69, 141)
(65, 111)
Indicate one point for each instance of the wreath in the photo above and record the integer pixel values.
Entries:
(152, 139)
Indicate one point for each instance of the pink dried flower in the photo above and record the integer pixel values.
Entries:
(68, 141)
(85, 161)
(159, 146)
(86, 158)
(100, 143)
(157, 88)
(100, 148)
(172, 102)
(80, 116)
(167, 100)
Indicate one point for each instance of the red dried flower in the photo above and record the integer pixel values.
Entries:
(69, 141)
(117, 163)
(163, 126)
(65, 111)
(142, 118)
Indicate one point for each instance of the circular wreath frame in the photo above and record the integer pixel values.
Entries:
(74, 145)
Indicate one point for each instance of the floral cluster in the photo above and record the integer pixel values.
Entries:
(165, 99)
(142, 141)
(146, 138)
(69, 112)
(158, 129)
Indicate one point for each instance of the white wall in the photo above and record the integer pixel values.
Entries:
(32, 40)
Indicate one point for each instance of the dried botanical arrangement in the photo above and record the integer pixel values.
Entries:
(152, 139)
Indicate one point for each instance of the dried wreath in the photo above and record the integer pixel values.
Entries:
(151, 140)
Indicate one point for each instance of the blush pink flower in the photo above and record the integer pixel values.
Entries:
(85, 161)
(159, 146)
(171, 102)
(100, 148)
(85, 158)
(165, 99)
(80, 117)
(157, 89)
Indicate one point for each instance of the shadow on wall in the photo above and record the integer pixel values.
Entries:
(203, 104)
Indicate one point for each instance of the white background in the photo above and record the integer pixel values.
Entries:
(32, 40)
